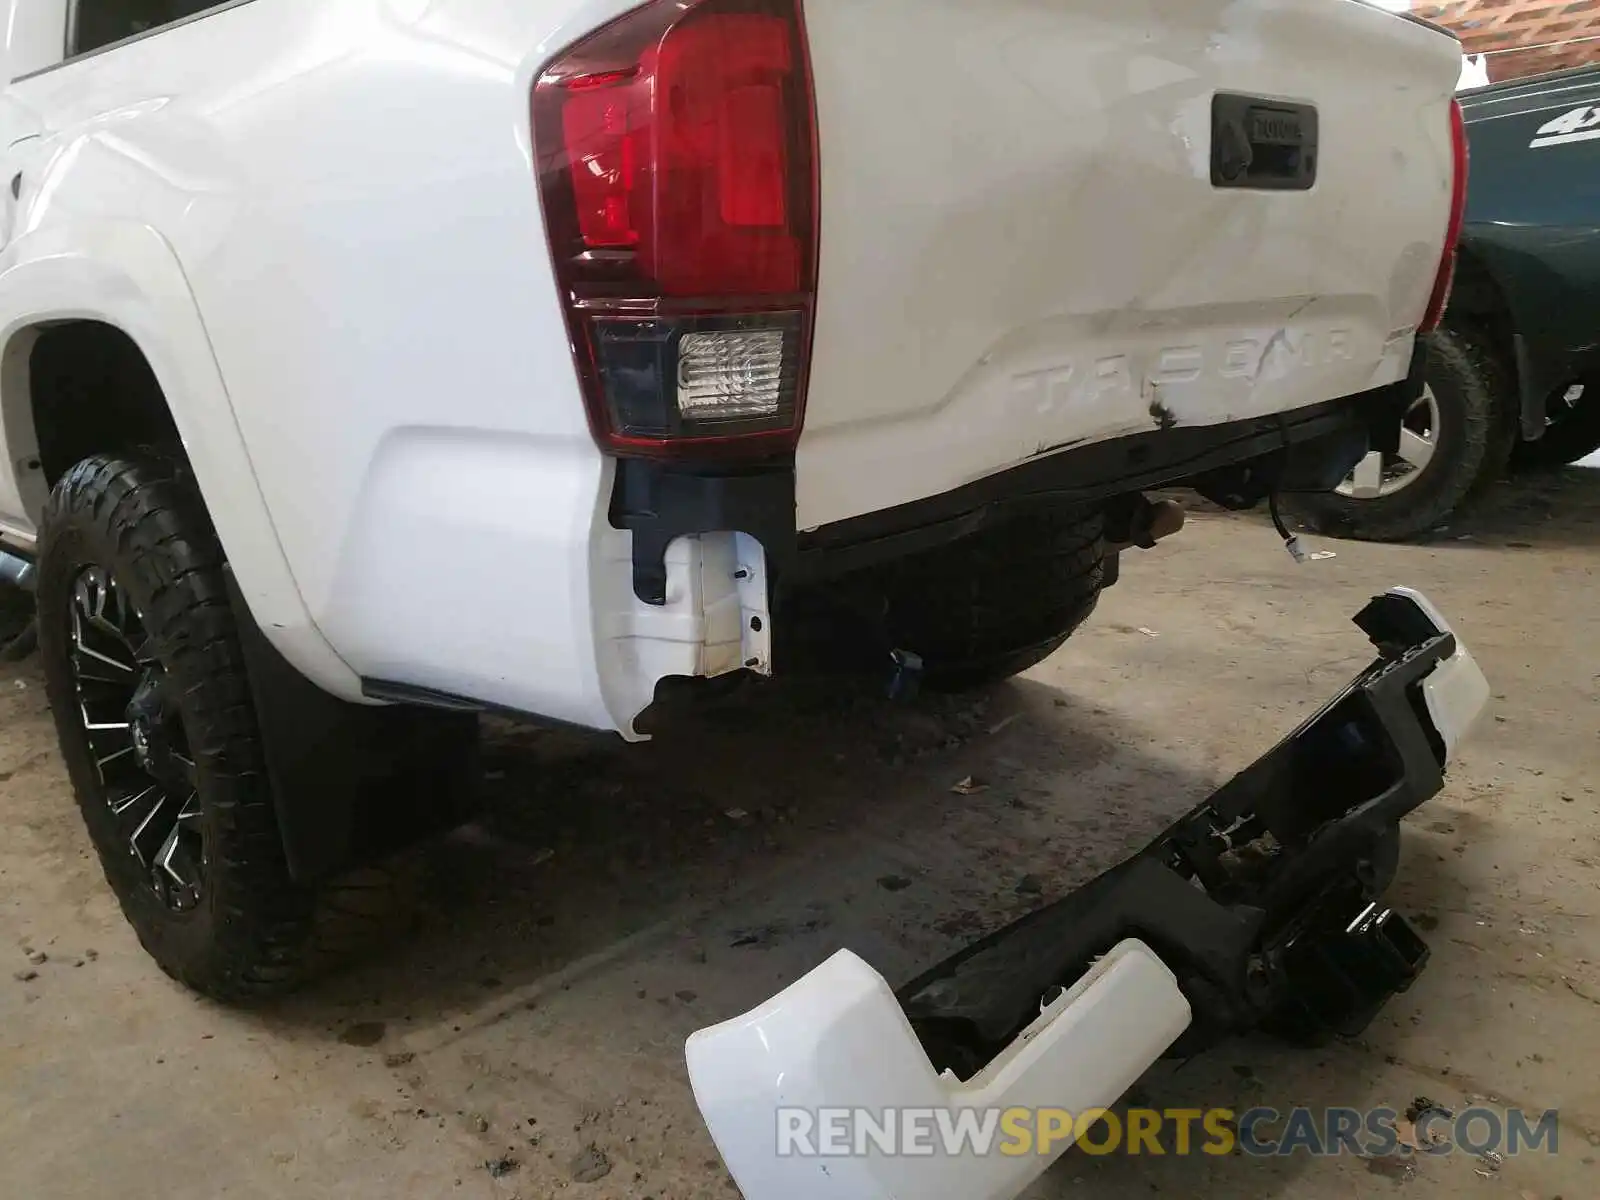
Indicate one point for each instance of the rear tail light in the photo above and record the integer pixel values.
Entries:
(676, 156)
(1458, 213)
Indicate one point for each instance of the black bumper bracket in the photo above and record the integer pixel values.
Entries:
(1265, 901)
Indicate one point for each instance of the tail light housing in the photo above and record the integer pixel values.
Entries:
(676, 154)
(1458, 214)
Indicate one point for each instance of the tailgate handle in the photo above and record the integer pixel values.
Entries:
(1268, 145)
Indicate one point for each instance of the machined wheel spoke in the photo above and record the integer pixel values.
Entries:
(189, 814)
(168, 851)
(1379, 475)
(125, 671)
(1368, 478)
(100, 606)
(99, 731)
(143, 652)
(152, 832)
(184, 766)
(133, 723)
(173, 860)
(103, 604)
(113, 757)
(1415, 449)
(176, 875)
(123, 804)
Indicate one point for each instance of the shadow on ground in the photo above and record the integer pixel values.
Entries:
(1538, 510)
(1535, 510)
(762, 831)
(734, 824)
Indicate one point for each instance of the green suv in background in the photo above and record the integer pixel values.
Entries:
(1514, 374)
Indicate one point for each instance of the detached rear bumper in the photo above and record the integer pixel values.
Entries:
(1261, 907)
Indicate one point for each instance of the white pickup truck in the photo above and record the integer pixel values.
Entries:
(368, 364)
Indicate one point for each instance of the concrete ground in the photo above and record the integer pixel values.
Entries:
(616, 899)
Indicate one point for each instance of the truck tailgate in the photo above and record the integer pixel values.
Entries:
(1023, 250)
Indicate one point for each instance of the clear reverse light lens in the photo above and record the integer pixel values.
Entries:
(729, 375)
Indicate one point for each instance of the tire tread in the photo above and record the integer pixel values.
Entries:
(267, 933)
(1001, 601)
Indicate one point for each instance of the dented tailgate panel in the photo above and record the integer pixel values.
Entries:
(1024, 247)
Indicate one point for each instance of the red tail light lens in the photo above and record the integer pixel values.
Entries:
(676, 154)
(1458, 214)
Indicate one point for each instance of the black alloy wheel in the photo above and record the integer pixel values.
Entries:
(134, 729)
(153, 709)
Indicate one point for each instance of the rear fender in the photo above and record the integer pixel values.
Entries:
(1542, 308)
(126, 275)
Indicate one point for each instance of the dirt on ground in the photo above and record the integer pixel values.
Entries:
(527, 1038)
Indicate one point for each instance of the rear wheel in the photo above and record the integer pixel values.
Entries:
(1454, 444)
(1573, 432)
(147, 685)
(1001, 601)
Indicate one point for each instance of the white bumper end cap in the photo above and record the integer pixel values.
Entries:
(1456, 691)
(838, 1039)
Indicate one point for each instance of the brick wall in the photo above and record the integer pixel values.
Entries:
(1507, 25)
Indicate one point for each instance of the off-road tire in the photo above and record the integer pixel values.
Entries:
(1572, 438)
(997, 603)
(255, 932)
(1477, 415)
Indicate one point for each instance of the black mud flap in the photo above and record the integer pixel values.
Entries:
(1265, 901)
(352, 783)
